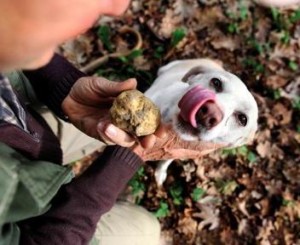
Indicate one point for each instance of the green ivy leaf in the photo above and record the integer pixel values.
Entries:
(104, 35)
(197, 194)
(177, 36)
(243, 150)
(176, 192)
(252, 157)
(162, 211)
(295, 17)
(293, 65)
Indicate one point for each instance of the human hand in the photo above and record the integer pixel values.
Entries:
(172, 147)
(87, 106)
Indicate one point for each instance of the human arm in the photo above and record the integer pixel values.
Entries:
(172, 146)
(83, 100)
(53, 82)
(78, 206)
(26, 188)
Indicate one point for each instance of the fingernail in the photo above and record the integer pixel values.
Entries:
(111, 131)
(100, 126)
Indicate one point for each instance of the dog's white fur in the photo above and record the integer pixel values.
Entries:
(169, 88)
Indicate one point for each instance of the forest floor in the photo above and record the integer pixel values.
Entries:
(248, 195)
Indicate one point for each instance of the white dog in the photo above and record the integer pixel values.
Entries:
(203, 102)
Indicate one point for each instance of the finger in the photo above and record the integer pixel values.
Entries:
(200, 145)
(113, 134)
(161, 131)
(102, 137)
(113, 89)
(148, 142)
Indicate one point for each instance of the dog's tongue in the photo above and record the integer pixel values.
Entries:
(191, 102)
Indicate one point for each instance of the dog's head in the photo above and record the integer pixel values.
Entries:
(216, 107)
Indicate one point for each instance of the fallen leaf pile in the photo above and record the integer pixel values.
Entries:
(248, 195)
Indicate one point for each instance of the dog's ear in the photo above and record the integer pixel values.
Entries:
(207, 65)
(193, 72)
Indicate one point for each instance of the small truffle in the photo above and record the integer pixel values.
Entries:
(135, 113)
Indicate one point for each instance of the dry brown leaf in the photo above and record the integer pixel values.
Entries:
(209, 17)
(209, 213)
(282, 114)
(292, 90)
(264, 232)
(276, 81)
(141, 63)
(169, 24)
(188, 226)
(265, 206)
(189, 168)
(284, 51)
(243, 226)
(263, 29)
(185, 8)
(263, 149)
(242, 208)
(78, 50)
(226, 42)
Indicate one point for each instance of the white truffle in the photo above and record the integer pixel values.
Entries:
(135, 113)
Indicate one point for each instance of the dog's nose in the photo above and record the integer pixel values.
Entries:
(209, 115)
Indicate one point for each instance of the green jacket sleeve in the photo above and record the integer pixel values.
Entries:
(26, 188)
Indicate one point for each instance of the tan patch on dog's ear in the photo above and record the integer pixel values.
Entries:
(193, 72)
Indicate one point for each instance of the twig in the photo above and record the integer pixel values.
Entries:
(93, 65)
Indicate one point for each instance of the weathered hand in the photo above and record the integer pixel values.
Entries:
(172, 147)
(87, 107)
(88, 103)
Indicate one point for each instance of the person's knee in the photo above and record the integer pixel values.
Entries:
(139, 217)
(128, 224)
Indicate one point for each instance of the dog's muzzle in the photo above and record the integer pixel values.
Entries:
(198, 106)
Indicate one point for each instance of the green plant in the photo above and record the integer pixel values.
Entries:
(226, 187)
(276, 94)
(163, 210)
(285, 37)
(243, 151)
(293, 65)
(296, 103)
(261, 48)
(158, 52)
(254, 64)
(233, 28)
(243, 12)
(177, 36)
(283, 23)
(176, 192)
(133, 55)
(126, 69)
(288, 203)
(104, 34)
(252, 157)
(295, 16)
(237, 18)
(275, 15)
(136, 184)
(197, 194)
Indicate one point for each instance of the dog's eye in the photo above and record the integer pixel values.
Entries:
(217, 84)
(242, 119)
